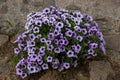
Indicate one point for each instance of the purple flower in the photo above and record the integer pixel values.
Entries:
(69, 33)
(50, 47)
(57, 50)
(70, 53)
(61, 68)
(48, 42)
(76, 48)
(75, 63)
(91, 51)
(32, 36)
(54, 66)
(49, 59)
(38, 23)
(56, 41)
(59, 25)
(43, 40)
(102, 48)
(46, 10)
(40, 62)
(55, 61)
(56, 33)
(87, 25)
(39, 36)
(62, 49)
(21, 46)
(45, 21)
(50, 36)
(62, 41)
(66, 65)
(19, 71)
(42, 49)
(84, 31)
(23, 75)
(36, 30)
(93, 45)
(45, 66)
(77, 28)
(79, 38)
(16, 50)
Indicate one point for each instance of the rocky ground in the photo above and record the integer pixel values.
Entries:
(105, 12)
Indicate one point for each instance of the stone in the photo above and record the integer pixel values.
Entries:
(48, 3)
(72, 7)
(49, 75)
(4, 9)
(26, 1)
(24, 10)
(38, 3)
(100, 70)
(80, 76)
(114, 58)
(3, 0)
(3, 39)
(63, 3)
(113, 42)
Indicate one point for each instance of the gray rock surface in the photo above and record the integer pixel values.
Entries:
(3, 39)
(100, 70)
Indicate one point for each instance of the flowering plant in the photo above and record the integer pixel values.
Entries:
(56, 38)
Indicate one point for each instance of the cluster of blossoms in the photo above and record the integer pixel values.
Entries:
(56, 38)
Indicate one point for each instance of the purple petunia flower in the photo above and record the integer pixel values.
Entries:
(66, 65)
(50, 47)
(38, 23)
(84, 31)
(16, 50)
(93, 45)
(69, 33)
(56, 41)
(40, 62)
(42, 49)
(49, 59)
(23, 75)
(79, 38)
(59, 25)
(32, 36)
(61, 68)
(45, 66)
(43, 40)
(36, 30)
(91, 51)
(102, 48)
(75, 63)
(19, 71)
(70, 53)
(50, 36)
(48, 42)
(57, 50)
(46, 10)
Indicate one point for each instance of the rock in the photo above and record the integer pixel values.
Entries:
(3, 39)
(114, 58)
(113, 42)
(100, 70)
(48, 3)
(63, 3)
(38, 3)
(4, 9)
(24, 10)
(49, 75)
(80, 76)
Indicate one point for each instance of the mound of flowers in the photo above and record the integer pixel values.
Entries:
(57, 38)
